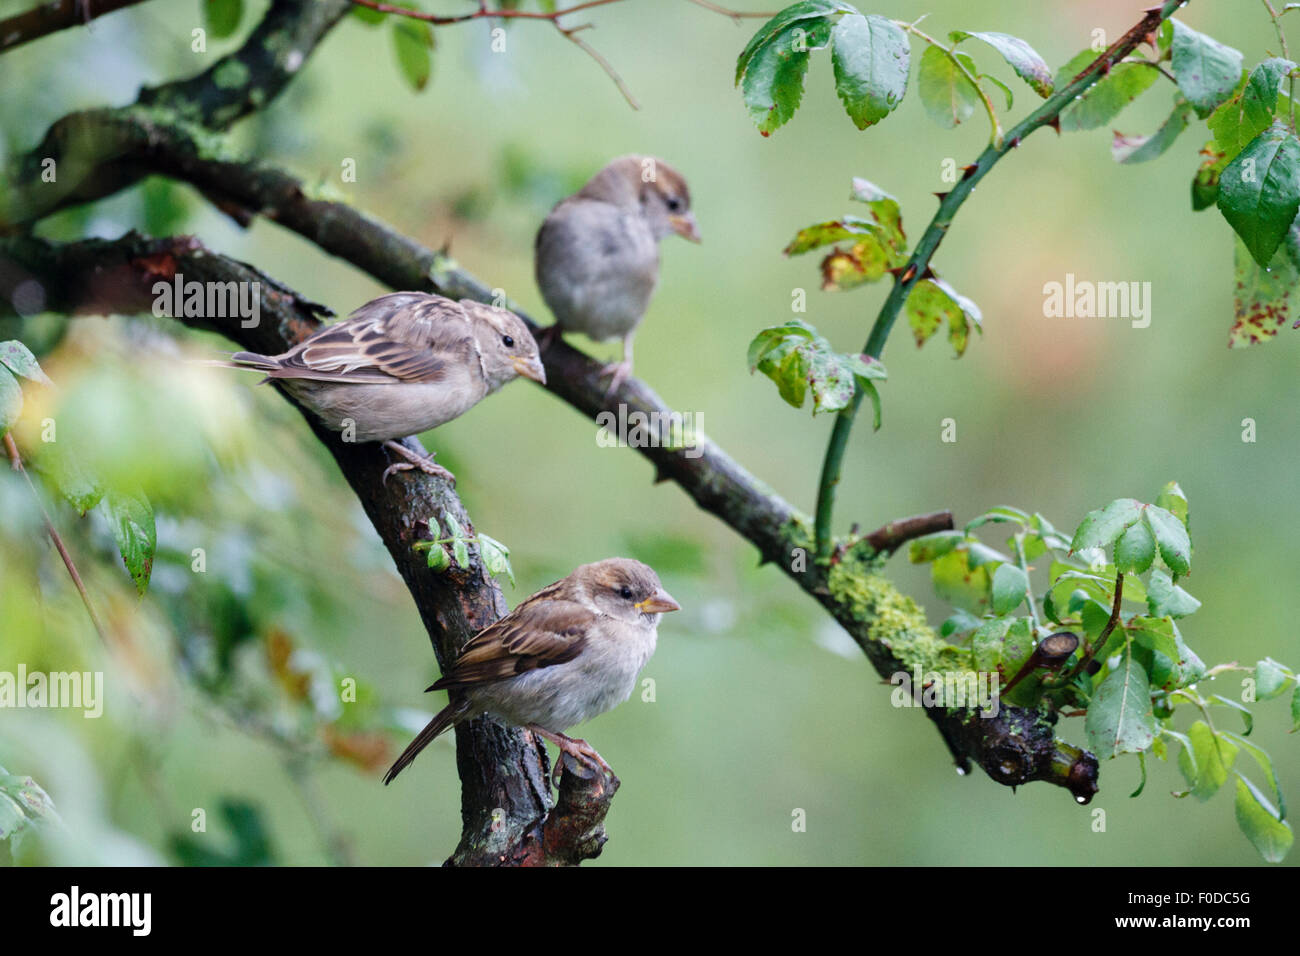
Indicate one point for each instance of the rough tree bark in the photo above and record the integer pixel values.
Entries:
(172, 130)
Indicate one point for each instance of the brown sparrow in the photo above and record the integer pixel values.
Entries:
(566, 654)
(402, 364)
(597, 253)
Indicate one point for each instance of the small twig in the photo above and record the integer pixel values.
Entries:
(898, 532)
(52, 17)
(1281, 37)
(483, 13)
(15, 459)
(336, 845)
(1029, 590)
(736, 15)
(1090, 650)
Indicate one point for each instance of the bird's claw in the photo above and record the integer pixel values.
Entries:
(618, 372)
(426, 464)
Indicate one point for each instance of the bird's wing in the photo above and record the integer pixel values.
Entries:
(402, 337)
(543, 631)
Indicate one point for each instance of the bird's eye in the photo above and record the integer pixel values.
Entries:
(508, 341)
(674, 204)
(625, 593)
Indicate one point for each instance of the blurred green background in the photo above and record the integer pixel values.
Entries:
(220, 682)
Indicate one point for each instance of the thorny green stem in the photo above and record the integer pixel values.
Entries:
(16, 461)
(918, 266)
(1023, 562)
(1276, 17)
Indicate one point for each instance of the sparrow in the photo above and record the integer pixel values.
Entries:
(597, 253)
(564, 655)
(402, 364)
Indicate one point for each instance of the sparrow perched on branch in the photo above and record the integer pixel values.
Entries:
(597, 253)
(402, 364)
(564, 655)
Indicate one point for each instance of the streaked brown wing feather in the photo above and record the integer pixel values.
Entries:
(401, 337)
(541, 632)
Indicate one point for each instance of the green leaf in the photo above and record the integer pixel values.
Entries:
(460, 551)
(496, 557)
(1023, 58)
(1099, 528)
(960, 584)
(1106, 98)
(1207, 764)
(1009, 586)
(871, 59)
(1251, 109)
(24, 805)
(1119, 718)
(931, 303)
(1259, 191)
(1247, 718)
(946, 92)
(999, 515)
(413, 44)
(836, 230)
(1142, 783)
(958, 622)
(773, 81)
(132, 521)
(1205, 184)
(1261, 300)
(769, 31)
(1270, 679)
(884, 210)
(1140, 149)
(799, 360)
(19, 359)
(1172, 499)
(1207, 71)
(222, 16)
(931, 546)
(11, 400)
(1172, 539)
(1164, 597)
(1135, 549)
(368, 16)
(1295, 709)
(79, 487)
(1259, 821)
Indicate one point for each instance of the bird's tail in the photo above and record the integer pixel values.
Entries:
(253, 360)
(445, 718)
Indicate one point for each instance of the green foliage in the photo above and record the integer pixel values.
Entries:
(413, 47)
(800, 361)
(495, 555)
(24, 806)
(871, 58)
(1022, 58)
(1132, 669)
(947, 87)
(221, 17)
(250, 843)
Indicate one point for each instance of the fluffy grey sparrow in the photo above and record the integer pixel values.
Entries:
(566, 654)
(402, 364)
(597, 253)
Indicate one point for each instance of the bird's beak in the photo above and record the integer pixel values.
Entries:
(530, 368)
(658, 603)
(685, 226)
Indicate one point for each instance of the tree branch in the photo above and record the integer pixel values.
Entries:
(51, 17)
(918, 267)
(505, 796)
